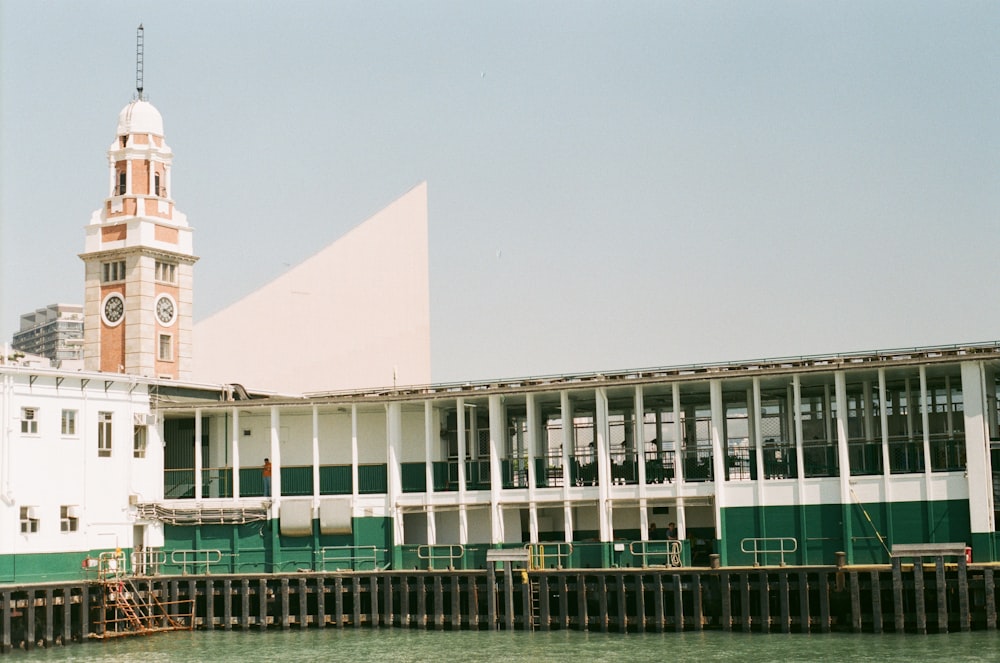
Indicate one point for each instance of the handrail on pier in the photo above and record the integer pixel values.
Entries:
(670, 549)
(762, 546)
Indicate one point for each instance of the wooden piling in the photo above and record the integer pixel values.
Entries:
(876, 602)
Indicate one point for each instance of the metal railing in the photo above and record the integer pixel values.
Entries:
(668, 549)
(538, 552)
(769, 546)
(354, 559)
(208, 557)
(660, 466)
(443, 551)
(111, 564)
(147, 562)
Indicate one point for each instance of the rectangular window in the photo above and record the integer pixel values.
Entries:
(104, 434)
(166, 272)
(113, 271)
(139, 442)
(69, 518)
(29, 519)
(29, 420)
(166, 347)
(69, 422)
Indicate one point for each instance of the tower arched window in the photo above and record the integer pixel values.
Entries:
(157, 191)
(121, 183)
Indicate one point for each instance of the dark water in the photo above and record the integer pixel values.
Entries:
(495, 647)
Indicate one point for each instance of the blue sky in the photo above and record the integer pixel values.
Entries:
(611, 185)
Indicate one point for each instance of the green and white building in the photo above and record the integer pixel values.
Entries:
(809, 455)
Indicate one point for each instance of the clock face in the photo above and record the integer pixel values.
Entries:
(114, 309)
(165, 310)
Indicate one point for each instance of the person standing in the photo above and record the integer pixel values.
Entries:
(267, 477)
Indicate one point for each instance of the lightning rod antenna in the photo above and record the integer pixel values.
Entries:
(138, 61)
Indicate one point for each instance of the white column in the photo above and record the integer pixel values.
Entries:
(758, 441)
(975, 405)
(718, 451)
(198, 461)
(675, 406)
(394, 477)
(869, 415)
(236, 453)
(639, 443)
(800, 468)
(315, 452)
(532, 413)
(601, 435)
(883, 414)
(354, 453)
(926, 429)
(463, 515)
(430, 438)
(496, 468)
(569, 460)
(843, 457)
(275, 455)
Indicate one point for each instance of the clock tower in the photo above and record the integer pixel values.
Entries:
(139, 258)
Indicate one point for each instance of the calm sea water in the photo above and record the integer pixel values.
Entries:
(497, 647)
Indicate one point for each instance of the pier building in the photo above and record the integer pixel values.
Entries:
(783, 461)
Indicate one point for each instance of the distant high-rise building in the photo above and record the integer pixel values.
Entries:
(55, 331)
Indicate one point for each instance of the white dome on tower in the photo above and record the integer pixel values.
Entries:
(140, 117)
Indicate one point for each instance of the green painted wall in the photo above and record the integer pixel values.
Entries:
(48, 567)
(820, 530)
(260, 548)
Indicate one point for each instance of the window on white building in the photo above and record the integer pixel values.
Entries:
(166, 272)
(69, 422)
(69, 518)
(29, 519)
(166, 347)
(139, 442)
(104, 434)
(113, 271)
(29, 420)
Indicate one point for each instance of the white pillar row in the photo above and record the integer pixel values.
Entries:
(198, 460)
(497, 427)
(431, 437)
(236, 452)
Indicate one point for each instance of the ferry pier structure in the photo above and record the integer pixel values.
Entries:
(839, 491)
